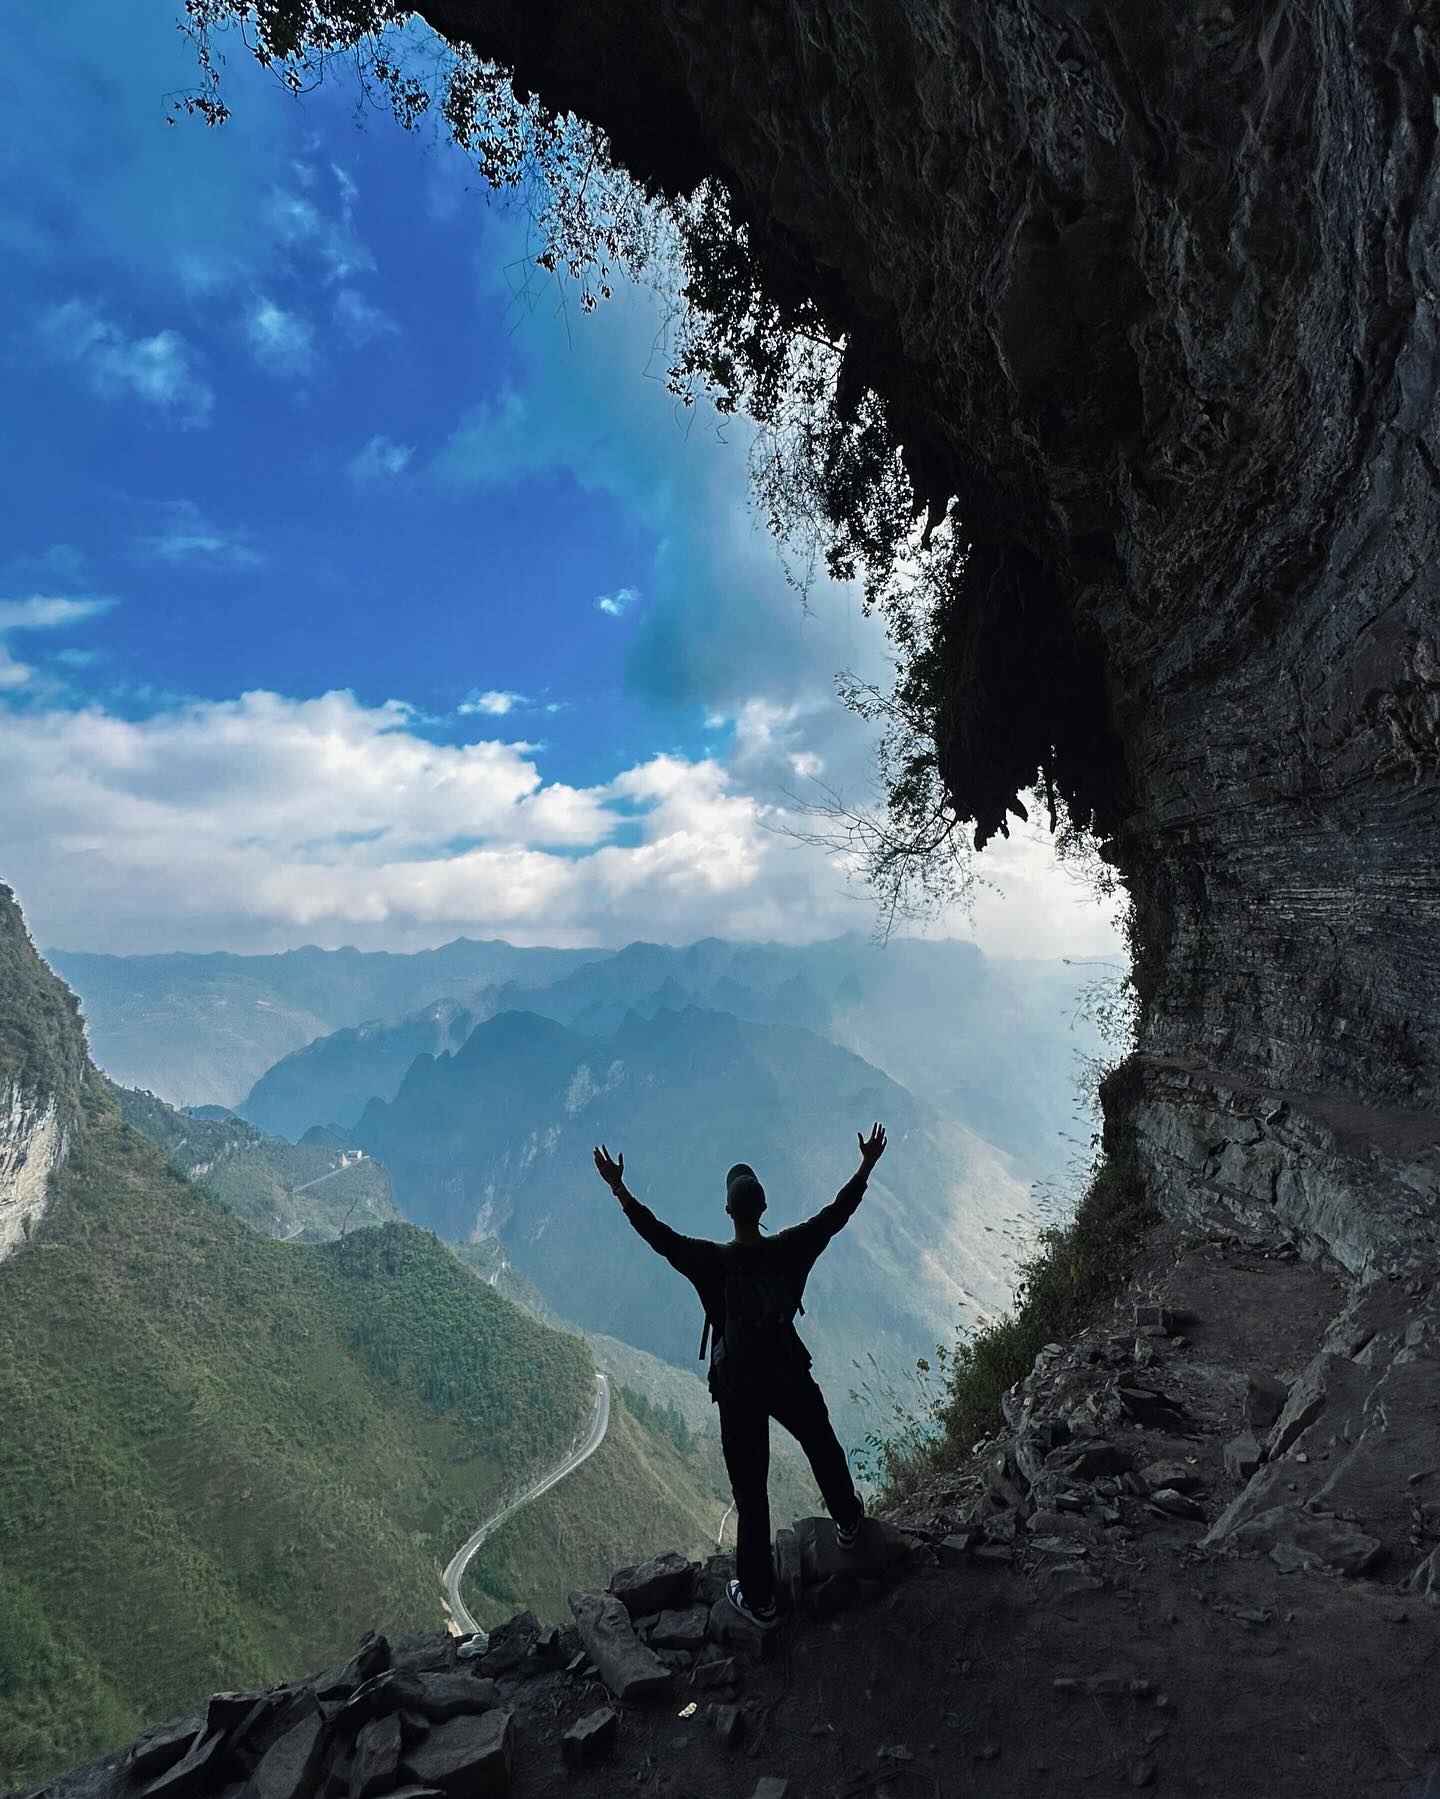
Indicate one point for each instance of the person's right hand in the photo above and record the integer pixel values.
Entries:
(611, 1171)
(873, 1146)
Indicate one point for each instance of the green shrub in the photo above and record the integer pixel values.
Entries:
(1074, 1270)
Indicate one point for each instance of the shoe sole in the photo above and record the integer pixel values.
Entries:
(749, 1617)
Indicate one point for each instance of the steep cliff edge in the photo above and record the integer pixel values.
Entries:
(42, 1070)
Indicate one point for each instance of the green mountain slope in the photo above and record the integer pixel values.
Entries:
(224, 1457)
(312, 1190)
(42, 1045)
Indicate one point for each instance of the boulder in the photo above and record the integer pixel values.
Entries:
(454, 1694)
(590, 1737)
(770, 1786)
(1242, 1456)
(509, 1644)
(226, 1711)
(162, 1747)
(1004, 1482)
(1089, 1459)
(628, 1668)
(1175, 1505)
(195, 1771)
(1034, 1444)
(428, 1653)
(290, 1767)
(680, 1629)
(371, 1658)
(376, 1761)
(378, 1697)
(1305, 1402)
(713, 1576)
(1179, 1475)
(1149, 1407)
(878, 1548)
(954, 1551)
(663, 1582)
(471, 1755)
(1296, 1540)
(1264, 1399)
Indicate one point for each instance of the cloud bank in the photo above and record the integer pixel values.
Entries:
(265, 820)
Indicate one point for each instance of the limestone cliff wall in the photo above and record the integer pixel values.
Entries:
(34, 1139)
(1152, 289)
(43, 1066)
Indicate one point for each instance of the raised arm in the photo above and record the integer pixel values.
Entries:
(684, 1254)
(832, 1218)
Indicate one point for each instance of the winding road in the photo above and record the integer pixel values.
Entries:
(454, 1573)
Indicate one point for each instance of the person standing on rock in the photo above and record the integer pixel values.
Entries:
(751, 1289)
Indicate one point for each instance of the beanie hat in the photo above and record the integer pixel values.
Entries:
(743, 1191)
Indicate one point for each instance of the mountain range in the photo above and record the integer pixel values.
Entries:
(995, 1044)
(494, 1140)
(482, 1104)
(200, 1029)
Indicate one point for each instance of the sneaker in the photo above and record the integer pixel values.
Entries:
(848, 1535)
(763, 1617)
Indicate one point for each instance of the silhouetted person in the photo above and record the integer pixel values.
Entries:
(751, 1289)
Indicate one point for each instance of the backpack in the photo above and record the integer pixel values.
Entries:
(757, 1342)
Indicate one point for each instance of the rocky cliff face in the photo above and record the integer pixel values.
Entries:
(33, 1142)
(42, 1067)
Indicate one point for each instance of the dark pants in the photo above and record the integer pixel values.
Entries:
(745, 1439)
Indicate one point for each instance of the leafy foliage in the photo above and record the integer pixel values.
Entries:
(667, 1420)
(42, 1042)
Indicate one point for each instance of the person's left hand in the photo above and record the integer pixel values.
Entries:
(611, 1171)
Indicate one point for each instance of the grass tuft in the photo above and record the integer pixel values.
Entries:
(1075, 1269)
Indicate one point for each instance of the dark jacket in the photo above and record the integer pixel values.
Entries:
(791, 1253)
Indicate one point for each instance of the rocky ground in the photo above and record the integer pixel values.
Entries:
(1148, 1579)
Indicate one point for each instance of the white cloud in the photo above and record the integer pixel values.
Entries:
(185, 535)
(45, 612)
(614, 604)
(282, 342)
(265, 820)
(381, 459)
(361, 320)
(163, 370)
(39, 612)
(299, 223)
(495, 704)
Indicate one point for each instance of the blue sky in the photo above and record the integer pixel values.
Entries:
(355, 587)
